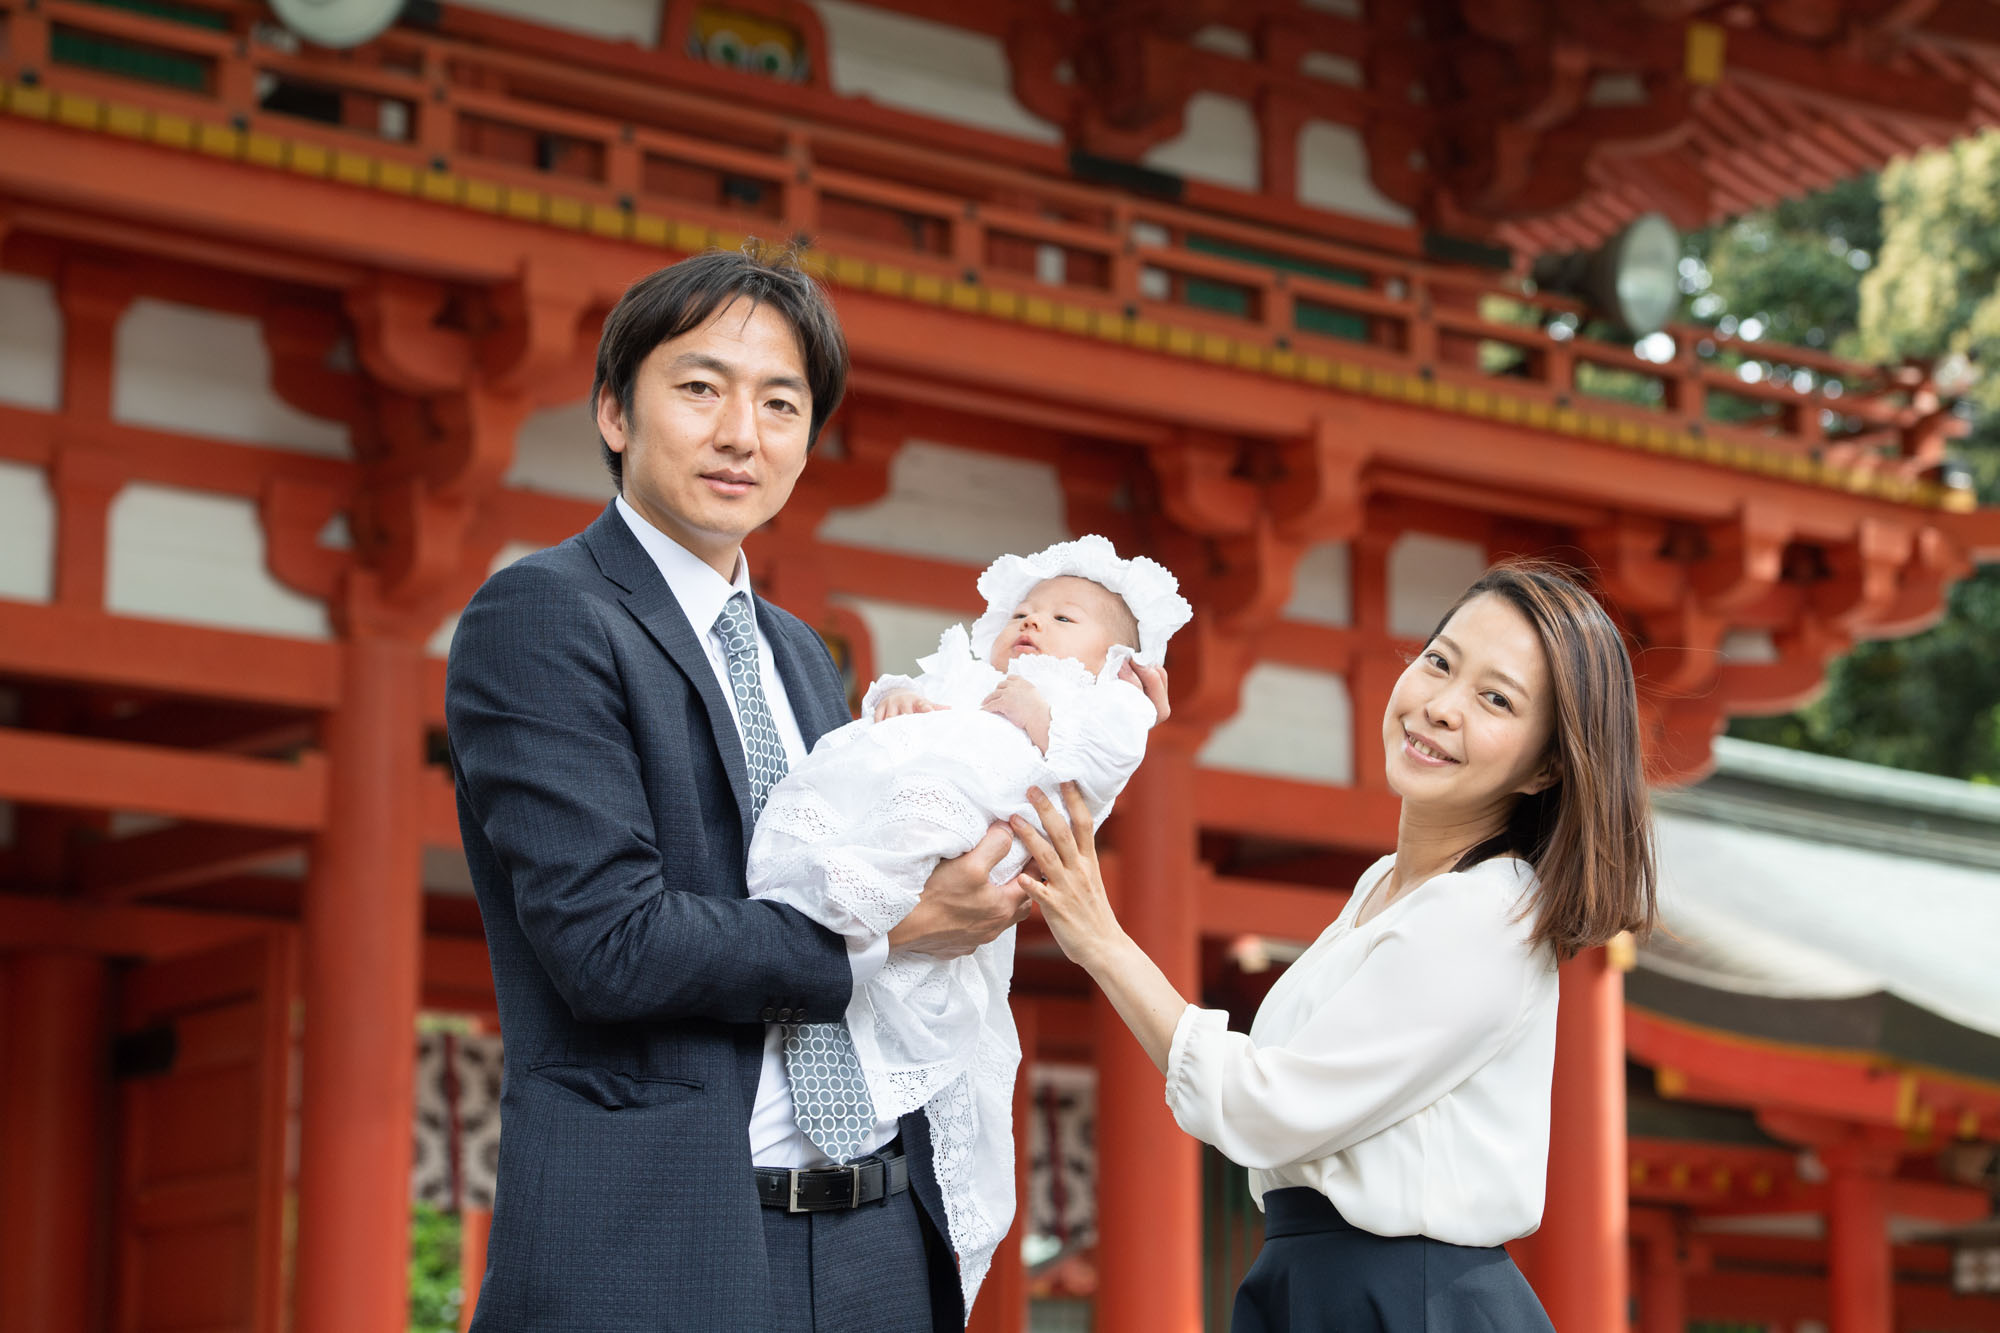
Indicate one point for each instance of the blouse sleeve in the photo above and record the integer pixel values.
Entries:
(1436, 997)
(1097, 736)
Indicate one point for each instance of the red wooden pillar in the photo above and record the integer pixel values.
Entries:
(1148, 1171)
(1861, 1280)
(1663, 1275)
(363, 919)
(52, 1097)
(1582, 1245)
(475, 1226)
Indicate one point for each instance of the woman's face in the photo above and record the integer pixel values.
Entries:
(1468, 725)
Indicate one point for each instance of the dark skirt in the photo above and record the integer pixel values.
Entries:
(1318, 1273)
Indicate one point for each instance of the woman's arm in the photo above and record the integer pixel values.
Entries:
(1073, 900)
(1435, 998)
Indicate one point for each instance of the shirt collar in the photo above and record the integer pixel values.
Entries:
(694, 583)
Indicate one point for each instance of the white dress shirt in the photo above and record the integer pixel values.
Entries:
(1400, 1067)
(775, 1136)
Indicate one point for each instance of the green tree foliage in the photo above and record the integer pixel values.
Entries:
(1904, 265)
(435, 1291)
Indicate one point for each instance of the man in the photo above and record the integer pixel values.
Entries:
(619, 706)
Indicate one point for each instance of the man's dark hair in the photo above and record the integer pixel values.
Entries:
(669, 302)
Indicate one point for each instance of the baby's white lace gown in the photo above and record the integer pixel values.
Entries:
(850, 836)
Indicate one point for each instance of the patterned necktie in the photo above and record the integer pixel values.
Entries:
(829, 1094)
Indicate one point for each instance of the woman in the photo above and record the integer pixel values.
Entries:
(1392, 1098)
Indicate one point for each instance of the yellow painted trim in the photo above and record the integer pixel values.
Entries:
(1705, 52)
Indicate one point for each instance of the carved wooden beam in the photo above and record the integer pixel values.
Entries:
(1840, 80)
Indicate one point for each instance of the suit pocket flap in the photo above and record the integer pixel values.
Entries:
(612, 1090)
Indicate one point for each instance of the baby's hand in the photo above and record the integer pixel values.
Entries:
(1023, 705)
(896, 703)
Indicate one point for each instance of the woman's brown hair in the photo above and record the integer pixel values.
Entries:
(1589, 835)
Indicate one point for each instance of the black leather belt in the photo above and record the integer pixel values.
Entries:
(825, 1189)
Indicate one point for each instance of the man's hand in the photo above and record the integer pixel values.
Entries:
(959, 910)
(899, 703)
(1023, 705)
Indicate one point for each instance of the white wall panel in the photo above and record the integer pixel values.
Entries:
(27, 534)
(1333, 174)
(196, 557)
(1749, 645)
(1217, 143)
(900, 633)
(31, 329)
(636, 21)
(958, 504)
(1291, 723)
(556, 451)
(1322, 587)
(184, 368)
(1426, 575)
(930, 68)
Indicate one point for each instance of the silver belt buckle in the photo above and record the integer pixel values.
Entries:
(854, 1197)
(792, 1203)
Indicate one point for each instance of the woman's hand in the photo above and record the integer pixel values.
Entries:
(1072, 898)
(1071, 893)
(1023, 705)
(1153, 680)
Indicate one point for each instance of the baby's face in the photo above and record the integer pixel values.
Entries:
(1062, 617)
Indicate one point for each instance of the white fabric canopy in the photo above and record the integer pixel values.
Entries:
(1779, 915)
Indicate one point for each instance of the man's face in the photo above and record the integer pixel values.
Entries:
(717, 434)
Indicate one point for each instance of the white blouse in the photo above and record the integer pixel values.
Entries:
(1400, 1067)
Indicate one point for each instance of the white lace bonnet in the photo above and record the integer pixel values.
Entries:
(1150, 591)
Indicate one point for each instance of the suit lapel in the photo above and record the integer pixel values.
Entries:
(815, 713)
(652, 603)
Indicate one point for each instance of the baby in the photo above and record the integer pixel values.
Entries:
(1029, 697)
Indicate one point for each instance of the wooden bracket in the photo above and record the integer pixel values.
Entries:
(304, 342)
(1632, 565)
(293, 515)
(537, 350)
(1866, 576)
(400, 339)
(1804, 650)
(1200, 488)
(1744, 560)
(1321, 496)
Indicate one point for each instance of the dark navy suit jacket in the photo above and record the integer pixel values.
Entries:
(604, 806)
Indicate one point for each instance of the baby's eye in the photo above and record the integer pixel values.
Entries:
(1065, 620)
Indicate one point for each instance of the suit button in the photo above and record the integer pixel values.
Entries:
(770, 1014)
(798, 1015)
(784, 1015)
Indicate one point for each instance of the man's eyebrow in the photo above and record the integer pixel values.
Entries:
(715, 364)
(1500, 676)
(701, 361)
